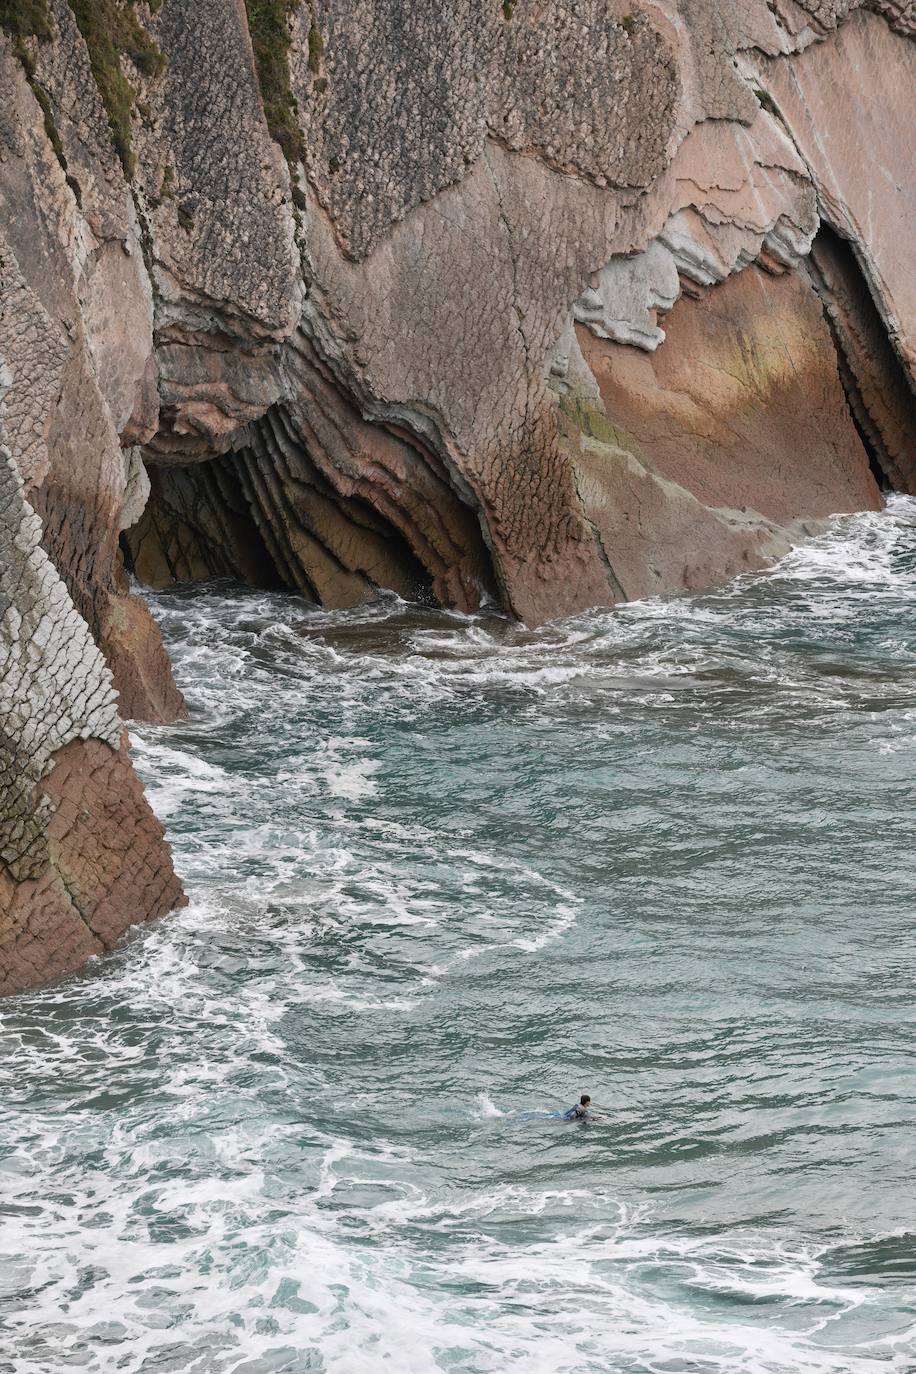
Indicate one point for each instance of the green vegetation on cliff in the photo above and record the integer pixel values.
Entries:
(268, 24)
(590, 417)
(24, 19)
(112, 31)
(316, 49)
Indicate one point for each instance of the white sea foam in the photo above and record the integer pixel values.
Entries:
(486, 1107)
(298, 1288)
(564, 917)
(439, 869)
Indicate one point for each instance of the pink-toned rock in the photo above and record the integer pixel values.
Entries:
(848, 104)
(81, 854)
(720, 445)
(107, 868)
(879, 390)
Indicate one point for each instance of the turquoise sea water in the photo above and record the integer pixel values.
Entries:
(447, 873)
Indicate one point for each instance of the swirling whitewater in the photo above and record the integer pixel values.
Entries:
(446, 874)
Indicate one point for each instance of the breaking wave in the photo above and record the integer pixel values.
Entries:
(446, 873)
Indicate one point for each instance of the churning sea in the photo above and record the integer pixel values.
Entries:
(445, 874)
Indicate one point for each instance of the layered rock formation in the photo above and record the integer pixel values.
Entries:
(81, 854)
(538, 303)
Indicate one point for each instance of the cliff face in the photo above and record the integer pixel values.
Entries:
(540, 302)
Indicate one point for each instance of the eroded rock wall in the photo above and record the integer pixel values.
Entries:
(539, 304)
(726, 444)
(81, 854)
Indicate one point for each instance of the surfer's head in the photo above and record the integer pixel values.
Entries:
(584, 1100)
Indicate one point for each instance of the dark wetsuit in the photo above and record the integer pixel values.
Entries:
(576, 1113)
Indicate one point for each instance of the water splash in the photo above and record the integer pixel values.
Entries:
(447, 873)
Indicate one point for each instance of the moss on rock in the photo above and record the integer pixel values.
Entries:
(22, 20)
(112, 31)
(269, 26)
(25, 19)
(590, 418)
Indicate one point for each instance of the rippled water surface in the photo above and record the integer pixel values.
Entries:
(445, 874)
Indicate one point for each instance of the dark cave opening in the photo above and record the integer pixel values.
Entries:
(880, 397)
(313, 498)
(875, 466)
(234, 516)
(197, 527)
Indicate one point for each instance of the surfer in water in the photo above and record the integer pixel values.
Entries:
(580, 1112)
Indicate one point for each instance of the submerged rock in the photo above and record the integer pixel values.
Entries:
(540, 304)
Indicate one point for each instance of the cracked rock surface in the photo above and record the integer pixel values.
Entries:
(548, 304)
(81, 854)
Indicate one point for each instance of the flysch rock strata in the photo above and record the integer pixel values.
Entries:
(83, 856)
(537, 304)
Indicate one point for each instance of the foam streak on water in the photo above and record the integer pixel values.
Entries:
(446, 873)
